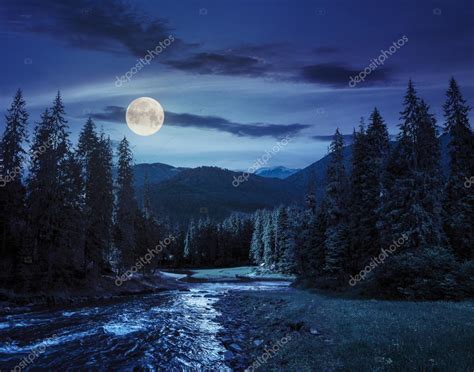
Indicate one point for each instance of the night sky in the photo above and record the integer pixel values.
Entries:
(239, 75)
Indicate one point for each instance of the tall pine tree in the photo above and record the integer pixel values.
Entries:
(337, 214)
(12, 190)
(459, 200)
(126, 206)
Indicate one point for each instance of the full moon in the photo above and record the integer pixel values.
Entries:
(145, 116)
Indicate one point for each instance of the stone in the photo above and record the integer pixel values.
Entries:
(235, 347)
(257, 342)
(314, 331)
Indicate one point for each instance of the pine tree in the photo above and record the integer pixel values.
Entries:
(459, 200)
(411, 209)
(126, 206)
(310, 197)
(337, 214)
(12, 190)
(96, 157)
(147, 208)
(400, 205)
(370, 154)
(269, 240)
(281, 235)
(310, 237)
(88, 141)
(429, 179)
(288, 257)
(358, 210)
(71, 237)
(54, 198)
(190, 242)
(256, 246)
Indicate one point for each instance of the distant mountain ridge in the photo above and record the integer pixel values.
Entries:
(209, 192)
(184, 193)
(156, 173)
(280, 172)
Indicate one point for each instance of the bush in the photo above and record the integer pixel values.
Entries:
(430, 274)
(465, 278)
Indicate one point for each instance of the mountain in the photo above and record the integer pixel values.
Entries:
(209, 191)
(184, 193)
(157, 172)
(299, 180)
(276, 172)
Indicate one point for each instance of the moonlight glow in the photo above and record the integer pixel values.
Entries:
(145, 116)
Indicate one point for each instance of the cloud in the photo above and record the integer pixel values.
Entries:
(338, 75)
(116, 114)
(108, 25)
(221, 64)
(270, 61)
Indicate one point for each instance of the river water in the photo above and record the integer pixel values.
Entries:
(166, 331)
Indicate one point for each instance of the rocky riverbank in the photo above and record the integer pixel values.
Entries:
(105, 289)
(253, 330)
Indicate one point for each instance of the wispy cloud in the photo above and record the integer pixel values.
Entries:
(221, 64)
(336, 74)
(116, 114)
(109, 26)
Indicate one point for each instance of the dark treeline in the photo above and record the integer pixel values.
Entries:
(209, 243)
(64, 219)
(393, 227)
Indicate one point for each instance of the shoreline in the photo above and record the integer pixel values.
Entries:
(250, 336)
(106, 289)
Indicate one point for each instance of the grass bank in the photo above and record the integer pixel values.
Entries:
(232, 273)
(337, 334)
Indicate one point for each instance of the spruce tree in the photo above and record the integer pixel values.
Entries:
(53, 198)
(269, 240)
(88, 140)
(400, 205)
(190, 243)
(411, 209)
(358, 208)
(429, 179)
(71, 239)
(375, 149)
(281, 235)
(256, 246)
(147, 206)
(459, 200)
(310, 238)
(96, 155)
(12, 190)
(126, 206)
(337, 214)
